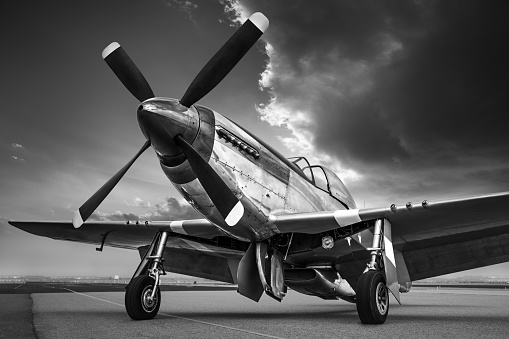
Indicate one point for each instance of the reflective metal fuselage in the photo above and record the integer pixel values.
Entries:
(263, 180)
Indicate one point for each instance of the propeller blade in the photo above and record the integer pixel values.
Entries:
(127, 72)
(223, 198)
(226, 58)
(81, 215)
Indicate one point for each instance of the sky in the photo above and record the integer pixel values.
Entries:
(404, 100)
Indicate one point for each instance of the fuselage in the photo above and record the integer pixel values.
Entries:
(265, 182)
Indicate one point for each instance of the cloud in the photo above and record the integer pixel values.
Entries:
(390, 92)
(185, 6)
(17, 158)
(18, 148)
(171, 209)
(115, 216)
(138, 202)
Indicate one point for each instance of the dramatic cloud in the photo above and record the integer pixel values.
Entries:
(416, 89)
(171, 209)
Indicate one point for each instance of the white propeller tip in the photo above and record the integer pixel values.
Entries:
(77, 220)
(260, 21)
(235, 214)
(109, 49)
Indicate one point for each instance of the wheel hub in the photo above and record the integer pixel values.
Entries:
(382, 299)
(147, 302)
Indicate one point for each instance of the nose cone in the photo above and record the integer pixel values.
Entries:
(161, 120)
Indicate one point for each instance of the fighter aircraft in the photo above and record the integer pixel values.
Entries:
(272, 223)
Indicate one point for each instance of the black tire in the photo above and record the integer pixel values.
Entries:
(372, 298)
(136, 302)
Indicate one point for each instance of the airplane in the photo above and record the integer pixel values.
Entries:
(271, 223)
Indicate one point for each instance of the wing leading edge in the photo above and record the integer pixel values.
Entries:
(439, 216)
(129, 235)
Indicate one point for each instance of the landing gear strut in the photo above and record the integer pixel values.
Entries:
(380, 276)
(142, 296)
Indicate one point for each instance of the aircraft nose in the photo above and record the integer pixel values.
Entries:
(161, 120)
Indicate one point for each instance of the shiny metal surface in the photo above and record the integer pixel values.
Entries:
(324, 283)
(382, 298)
(269, 187)
(161, 119)
(149, 298)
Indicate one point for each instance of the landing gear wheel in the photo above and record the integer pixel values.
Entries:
(372, 298)
(138, 303)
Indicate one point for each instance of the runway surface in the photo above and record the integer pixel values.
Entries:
(226, 314)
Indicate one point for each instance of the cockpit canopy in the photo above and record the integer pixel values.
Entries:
(326, 180)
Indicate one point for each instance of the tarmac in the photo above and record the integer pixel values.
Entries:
(83, 311)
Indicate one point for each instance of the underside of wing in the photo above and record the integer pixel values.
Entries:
(429, 238)
(194, 247)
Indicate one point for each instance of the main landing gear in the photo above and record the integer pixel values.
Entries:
(372, 294)
(142, 296)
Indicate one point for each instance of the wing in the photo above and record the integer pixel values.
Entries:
(122, 234)
(429, 238)
(194, 247)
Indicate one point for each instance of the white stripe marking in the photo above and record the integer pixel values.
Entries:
(347, 217)
(389, 251)
(77, 220)
(109, 49)
(260, 21)
(188, 319)
(235, 214)
(176, 226)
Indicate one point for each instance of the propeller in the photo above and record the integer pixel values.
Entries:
(211, 74)
(127, 72)
(226, 58)
(223, 198)
(82, 214)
